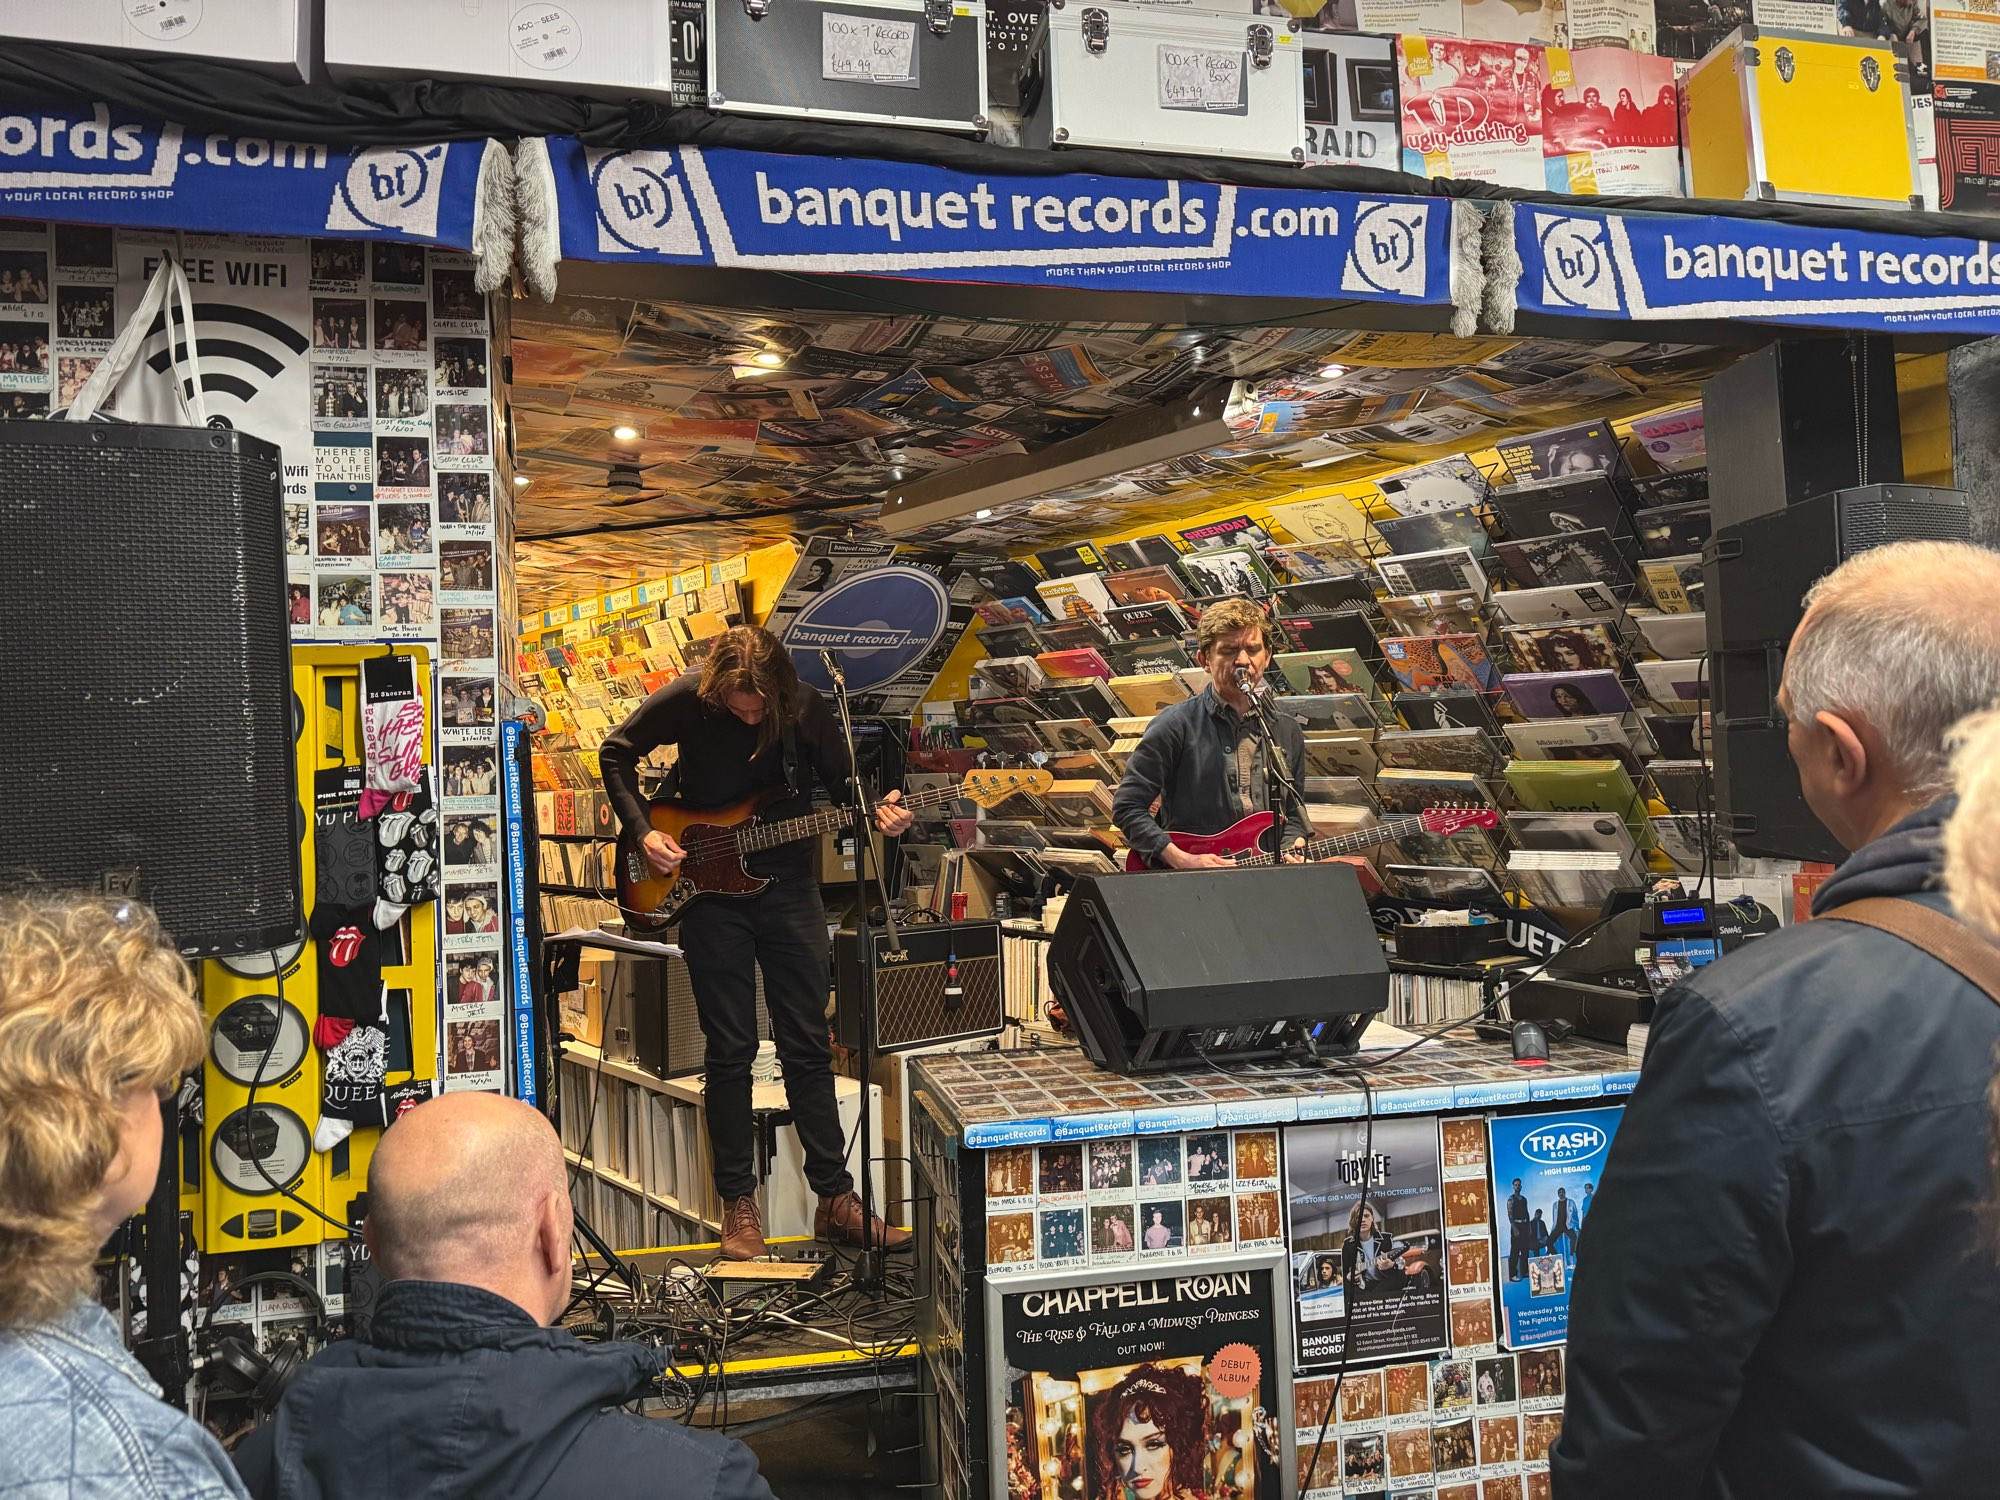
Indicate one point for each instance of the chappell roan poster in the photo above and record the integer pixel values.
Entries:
(1122, 1386)
(1546, 1169)
(1394, 1242)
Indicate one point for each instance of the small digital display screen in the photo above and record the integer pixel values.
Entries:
(1683, 916)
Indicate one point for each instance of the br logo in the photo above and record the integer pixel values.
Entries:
(1576, 268)
(390, 187)
(641, 203)
(1387, 256)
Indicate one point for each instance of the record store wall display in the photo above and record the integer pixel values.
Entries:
(370, 365)
(1140, 1383)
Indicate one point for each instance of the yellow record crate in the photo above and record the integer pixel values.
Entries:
(245, 1150)
(1799, 118)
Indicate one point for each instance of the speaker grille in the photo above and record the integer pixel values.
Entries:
(149, 674)
(910, 1008)
(1878, 515)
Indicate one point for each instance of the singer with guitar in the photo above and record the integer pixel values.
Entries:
(1205, 764)
(746, 727)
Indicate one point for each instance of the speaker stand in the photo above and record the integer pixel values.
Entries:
(164, 1350)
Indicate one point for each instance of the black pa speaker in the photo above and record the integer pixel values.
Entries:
(1801, 418)
(148, 748)
(941, 985)
(1757, 572)
(1177, 967)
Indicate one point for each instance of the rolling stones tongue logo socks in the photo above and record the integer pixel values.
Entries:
(353, 1027)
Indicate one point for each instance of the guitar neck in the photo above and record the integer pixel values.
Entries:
(832, 820)
(1345, 843)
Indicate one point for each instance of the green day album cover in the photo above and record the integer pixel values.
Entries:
(1395, 1272)
(1123, 1385)
(1546, 1168)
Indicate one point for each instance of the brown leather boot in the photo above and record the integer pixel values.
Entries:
(742, 1229)
(838, 1221)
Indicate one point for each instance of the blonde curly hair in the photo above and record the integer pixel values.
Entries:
(93, 1005)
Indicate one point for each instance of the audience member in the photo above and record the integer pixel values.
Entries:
(1787, 1288)
(97, 1023)
(461, 1387)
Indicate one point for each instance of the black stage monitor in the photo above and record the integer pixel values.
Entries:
(1171, 968)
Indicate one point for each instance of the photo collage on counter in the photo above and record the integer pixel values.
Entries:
(1462, 1427)
(1125, 1200)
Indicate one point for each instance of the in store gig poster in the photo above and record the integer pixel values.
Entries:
(1120, 1385)
(1546, 1168)
(1396, 1238)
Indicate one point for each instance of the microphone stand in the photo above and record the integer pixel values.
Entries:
(1280, 768)
(870, 1269)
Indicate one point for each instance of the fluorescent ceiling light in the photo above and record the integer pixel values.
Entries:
(1132, 440)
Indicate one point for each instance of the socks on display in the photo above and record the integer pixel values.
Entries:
(406, 853)
(392, 730)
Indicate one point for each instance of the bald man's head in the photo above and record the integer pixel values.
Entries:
(1896, 646)
(471, 1188)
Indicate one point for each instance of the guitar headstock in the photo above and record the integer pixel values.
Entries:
(991, 788)
(1452, 817)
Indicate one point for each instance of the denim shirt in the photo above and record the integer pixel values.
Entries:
(1187, 759)
(83, 1419)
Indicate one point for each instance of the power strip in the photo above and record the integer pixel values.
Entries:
(765, 1270)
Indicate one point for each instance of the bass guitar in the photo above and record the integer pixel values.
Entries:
(717, 839)
(1240, 841)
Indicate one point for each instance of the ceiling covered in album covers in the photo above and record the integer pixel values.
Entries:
(727, 423)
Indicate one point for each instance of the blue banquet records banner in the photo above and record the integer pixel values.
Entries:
(835, 214)
(1647, 266)
(1546, 1168)
(101, 164)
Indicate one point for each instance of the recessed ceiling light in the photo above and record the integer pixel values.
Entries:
(768, 359)
(1332, 372)
(982, 515)
(625, 434)
(520, 481)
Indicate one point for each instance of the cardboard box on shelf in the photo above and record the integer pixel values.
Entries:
(274, 36)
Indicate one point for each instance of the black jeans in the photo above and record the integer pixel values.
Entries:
(783, 932)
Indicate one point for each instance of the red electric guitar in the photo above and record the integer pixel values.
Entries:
(1239, 841)
(717, 838)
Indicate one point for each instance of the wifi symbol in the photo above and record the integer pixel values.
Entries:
(214, 347)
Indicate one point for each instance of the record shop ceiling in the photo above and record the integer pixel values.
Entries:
(726, 422)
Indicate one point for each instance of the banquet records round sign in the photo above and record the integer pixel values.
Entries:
(878, 623)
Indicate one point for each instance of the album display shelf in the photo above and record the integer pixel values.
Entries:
(970, 1111)
(639, 1144)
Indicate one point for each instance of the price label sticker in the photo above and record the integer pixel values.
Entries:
(868, 49)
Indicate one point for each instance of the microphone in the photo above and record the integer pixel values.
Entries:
(1256, 691)
(832, 664)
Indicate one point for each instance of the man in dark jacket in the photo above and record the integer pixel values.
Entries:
(460, 1388)
(1788, 1288)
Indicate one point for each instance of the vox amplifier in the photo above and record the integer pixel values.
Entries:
(941, 985)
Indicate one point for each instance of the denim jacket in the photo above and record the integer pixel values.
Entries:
(1186, 758)
(83, 1419)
